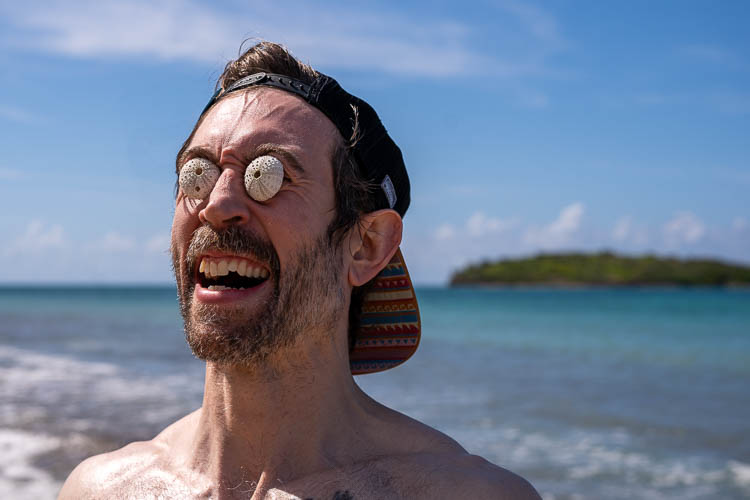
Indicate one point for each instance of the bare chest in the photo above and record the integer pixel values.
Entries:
(360, 482)
(364, 483)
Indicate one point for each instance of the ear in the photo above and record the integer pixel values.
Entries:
(372, 243)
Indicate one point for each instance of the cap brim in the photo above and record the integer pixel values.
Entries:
(389, 328)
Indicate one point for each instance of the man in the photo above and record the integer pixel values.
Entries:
(285, 249)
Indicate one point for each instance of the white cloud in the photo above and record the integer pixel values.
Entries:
(113, 241)
(622, 228)
(478, 224)
(38, 237)
(47, 253)
(167, 30)
(159, 243)
(326, 35)
(559, 232)
(183, 29)
(568, 221)
(537, 21)
(627, 233)
(445, 232)
(450, 246)
(683, 228)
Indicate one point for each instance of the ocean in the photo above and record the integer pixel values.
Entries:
(588, 393)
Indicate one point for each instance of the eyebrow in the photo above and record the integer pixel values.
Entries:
(287, 156)
(194, 152)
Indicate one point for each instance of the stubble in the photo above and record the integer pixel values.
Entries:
(305, 299)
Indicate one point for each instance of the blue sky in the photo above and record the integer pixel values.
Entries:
(526, 126)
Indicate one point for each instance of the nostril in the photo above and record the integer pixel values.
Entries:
(233, 220)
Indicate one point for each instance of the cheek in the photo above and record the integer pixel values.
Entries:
(292, 231)
(183, 226)
(176, 252)
(297, 223)
(306, 207)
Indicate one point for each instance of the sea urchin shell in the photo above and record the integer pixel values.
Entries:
(197, 178)
(263, 177)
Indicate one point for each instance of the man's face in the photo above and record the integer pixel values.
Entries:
(300, 288)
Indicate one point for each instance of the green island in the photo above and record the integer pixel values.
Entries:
(602, 269)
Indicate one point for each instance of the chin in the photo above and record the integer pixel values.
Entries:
(233, 335)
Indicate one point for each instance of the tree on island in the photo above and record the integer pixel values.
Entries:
(603, 268)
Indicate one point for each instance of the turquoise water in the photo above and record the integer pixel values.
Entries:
(591, 393)
(698, 327)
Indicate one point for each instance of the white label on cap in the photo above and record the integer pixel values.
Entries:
(389, 191)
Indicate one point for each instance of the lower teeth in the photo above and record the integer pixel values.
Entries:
(222, 287)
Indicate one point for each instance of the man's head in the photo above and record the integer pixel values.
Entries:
(318, 242)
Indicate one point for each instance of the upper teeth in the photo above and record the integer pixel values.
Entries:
(213, 267)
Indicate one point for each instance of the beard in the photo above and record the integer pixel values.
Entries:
(306, 299)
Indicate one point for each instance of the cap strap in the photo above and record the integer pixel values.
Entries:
(267, 79)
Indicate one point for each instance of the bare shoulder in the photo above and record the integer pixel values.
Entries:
(458, 475)
(107, 474)
(475, 477)
(429, 464)
(102, 475)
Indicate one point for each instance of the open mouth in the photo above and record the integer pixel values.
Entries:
(230, 273)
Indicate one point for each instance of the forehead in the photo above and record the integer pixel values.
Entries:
(244, 120)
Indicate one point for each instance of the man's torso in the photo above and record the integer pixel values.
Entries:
(441, 469)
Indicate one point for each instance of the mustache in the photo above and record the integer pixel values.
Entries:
(232, 240)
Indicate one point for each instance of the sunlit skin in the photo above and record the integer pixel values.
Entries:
(296, 425)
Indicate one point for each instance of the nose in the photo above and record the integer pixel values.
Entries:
(228, 204)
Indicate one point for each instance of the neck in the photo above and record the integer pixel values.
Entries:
(280, 421)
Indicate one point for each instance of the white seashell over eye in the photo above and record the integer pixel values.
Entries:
(263, 177)
(197, 178)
